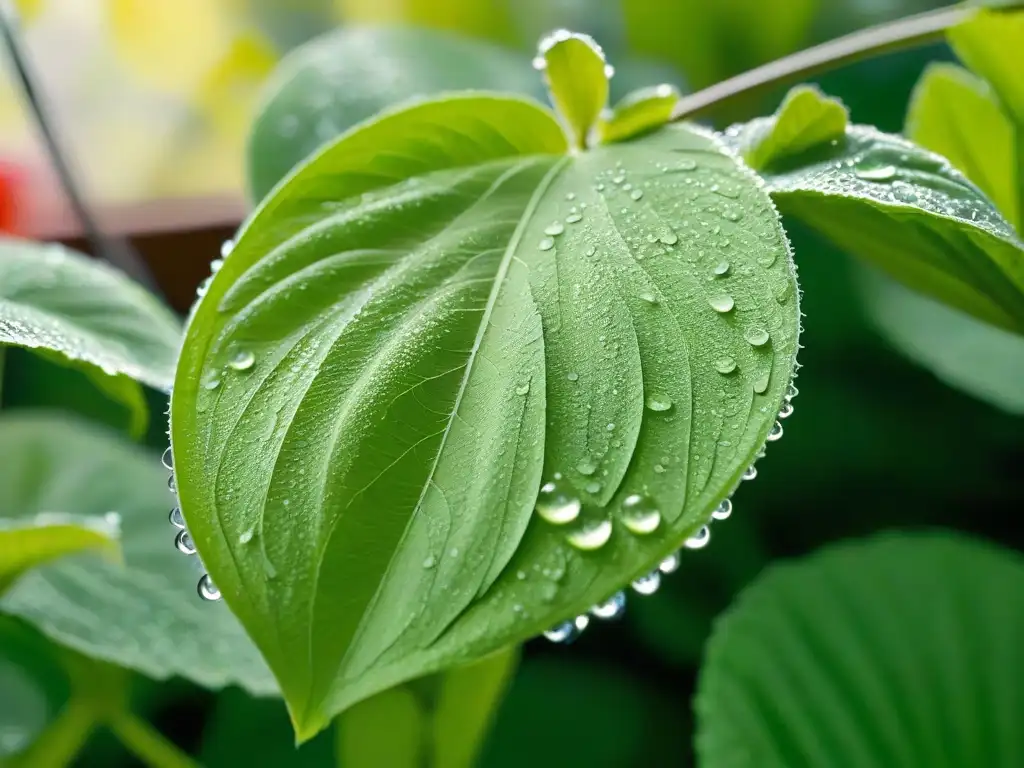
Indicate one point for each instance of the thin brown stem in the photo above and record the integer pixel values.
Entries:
(884, 38)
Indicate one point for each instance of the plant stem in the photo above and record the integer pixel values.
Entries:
(62, 739)
(884, 38)
(148, 744)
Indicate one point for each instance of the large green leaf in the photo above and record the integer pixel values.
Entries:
(989, 43)
(906, 210)
(902, 651)
(955, 114)
(143, 614)
(975, 357)
(435, 317)
(54, 299)
(331, 83)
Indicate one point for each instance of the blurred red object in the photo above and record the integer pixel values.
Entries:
(13, 196)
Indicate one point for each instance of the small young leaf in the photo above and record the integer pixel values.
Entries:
(639, 111)
(28, 542)
(441, 313)
(899, 651)
(54, 299)
(143, 614)
(975, 357)
(324, 87)
(806, 119)
(990, 44)
(909, 212)
(576, 74)
(955, 114)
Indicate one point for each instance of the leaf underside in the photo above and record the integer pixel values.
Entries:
(439, 326)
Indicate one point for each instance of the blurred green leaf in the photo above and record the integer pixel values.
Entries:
(386, 729)
(145, 614)
(990, 44)
(562, 711)
(474, 18)
(639, 111)
(901, 651)
(977, 358)
(24, 710)
(712, 41)
(806, 119)
(909, 212)
(330, 84)
(955, 114)
(54, 299)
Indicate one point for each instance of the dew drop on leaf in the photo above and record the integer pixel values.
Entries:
(786, 410)
(246, 536)
(649, 297)
(640, 514)
(749, 473)
(523, 389)
(756, 337)
(687, 165)
(612, 608)
(670, 564)
(721, 269)
(184, 543)
(167, 459)
(775, 433)
(586, 467)
(648, 583)
(557, 504)
(242, 360)
(546, 244)
(872, 171)
(593, 487)
(429, 562)
(554, 228)
(572, 376)
(175, 518)
(636, 194)
(722, 303)
(592, 535)
(562, 633)
(572, 218)
(207, 589)
(658, 402)
(904, 192)
(723, 510)
(761, 383)
(725, 365)
(700, 539)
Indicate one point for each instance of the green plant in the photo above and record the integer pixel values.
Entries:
(470, 368)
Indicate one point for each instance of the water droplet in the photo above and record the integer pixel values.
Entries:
(700, 539)
(725, 365)
(170, 484)
(226, 248)
(657, 401)
(554, 228)
(207, 589)
(669, 238)
(636, 194)
(562, 633)
(610, 426)
(572, 218)
(184, 543)
(670, 564)
(904, 192)
(609, 71)
(540, 63)
(647, 584)
(640, 514)
(721, 269)
(612, 608)
(523, 389)
(591, 536)
(723, 511)
(429, 562)
(242, 360)
(591, 250)
(167, 459)
(775, 433)
(557, 504)
(246, 536)
(570, 196)
(786, 410)
(722, 303)
(212, 383)
(546, 244)
(593, 487)
(791, 391)
(176, 518)
(761, 383)
(618, 179)
(649, 297)
(756, 337)
(871, 171)
(749, 473)
(687, 165)
(215, 266)
(572, 376)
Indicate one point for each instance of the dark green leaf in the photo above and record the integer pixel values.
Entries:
(909, 212)
(574, 70)
(955, 114)
(144, 614)
(806, 119)
(24, 709)
(55, 299)
(430, 320)
(990, 44)
(642, 110)
(326, 86)
(902, 651)
(975, 357)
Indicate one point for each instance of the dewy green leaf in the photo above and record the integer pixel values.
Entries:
(28, 542)
(577, 75)
(441, 315)
(910, 213)
(52, 298)
(335, 81)
(143, 614)
(990, 44)
(955, 114)
(899, 651)
(807, 118)
(642, 110)
(982, 360)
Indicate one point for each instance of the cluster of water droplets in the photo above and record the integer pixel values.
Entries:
(183, 539)
(638, 515)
